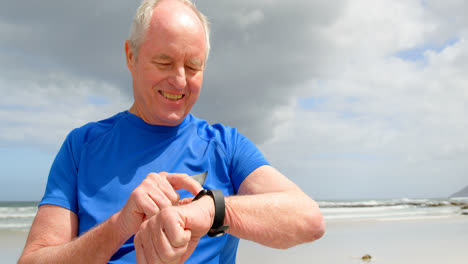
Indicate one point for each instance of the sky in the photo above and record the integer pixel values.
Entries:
(357, 99)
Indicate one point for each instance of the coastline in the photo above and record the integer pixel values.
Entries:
(427, 231)
(428, 241)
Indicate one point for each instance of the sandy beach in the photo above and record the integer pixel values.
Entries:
(11, 245)
(427, 241)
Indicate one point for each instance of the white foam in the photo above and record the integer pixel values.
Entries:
(15, 226)
(29, 215)
(390, 210)
(413, 218)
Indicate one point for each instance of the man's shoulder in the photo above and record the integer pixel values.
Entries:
(93, 130)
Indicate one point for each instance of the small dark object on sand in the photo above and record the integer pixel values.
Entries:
(366, 258)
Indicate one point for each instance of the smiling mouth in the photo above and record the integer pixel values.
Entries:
(171, 96)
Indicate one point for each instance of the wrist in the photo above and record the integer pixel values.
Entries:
(207, 203)
(117, 222)
(228, 210)
(217, 228)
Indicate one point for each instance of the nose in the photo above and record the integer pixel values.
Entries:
(177, 79)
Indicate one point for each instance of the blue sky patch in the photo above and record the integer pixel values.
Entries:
(347, 114)
(312, 103)
(417, 53)
(98, 100)
(319, 104)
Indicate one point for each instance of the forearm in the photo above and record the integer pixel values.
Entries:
(278, 220)
(95, 246)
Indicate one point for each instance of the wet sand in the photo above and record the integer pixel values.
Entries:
(11, 245)
(424, 241)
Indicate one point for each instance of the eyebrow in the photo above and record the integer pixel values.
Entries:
(196, 62)
(162, 57)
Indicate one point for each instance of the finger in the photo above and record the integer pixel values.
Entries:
(150, 250)
(143, 203)
(159, 190)
(183, 181)
(139, 252)
(145, 244)
(186, 200)
(168, 189)
(161, 199)
(174, 230)
(148, 206)
(165, 251)
(190, 248)
(162, 190)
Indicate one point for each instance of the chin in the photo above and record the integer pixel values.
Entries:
(173, 119)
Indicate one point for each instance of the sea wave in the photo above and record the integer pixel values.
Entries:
(395, 202)
(17, 212)
(21, 226)
(19, 216)
(16, 215)
(392, 210)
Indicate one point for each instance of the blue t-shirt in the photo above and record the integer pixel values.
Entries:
(101, 163)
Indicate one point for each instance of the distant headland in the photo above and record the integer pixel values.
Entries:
(462, 193)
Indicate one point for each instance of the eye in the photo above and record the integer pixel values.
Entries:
(162, 64)
(192, 68)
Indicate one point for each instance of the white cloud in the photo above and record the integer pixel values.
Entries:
(42, 112)
(382, 117)
(250, 18)
(388, 24)
(383, 124)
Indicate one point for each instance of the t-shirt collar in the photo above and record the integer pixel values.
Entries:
(135, 120)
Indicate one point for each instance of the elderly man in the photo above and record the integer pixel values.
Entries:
(104, 201)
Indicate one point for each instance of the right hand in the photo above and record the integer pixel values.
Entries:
(157, 191)
(172, 235)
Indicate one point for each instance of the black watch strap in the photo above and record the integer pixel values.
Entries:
(218, 228)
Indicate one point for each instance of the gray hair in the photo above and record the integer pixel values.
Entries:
(142, 20)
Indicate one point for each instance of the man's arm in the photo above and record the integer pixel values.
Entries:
(53, 233)
(271, 210)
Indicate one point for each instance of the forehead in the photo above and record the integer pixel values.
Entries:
(177, 30)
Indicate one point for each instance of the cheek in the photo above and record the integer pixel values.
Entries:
(196, 84)
(149, 75)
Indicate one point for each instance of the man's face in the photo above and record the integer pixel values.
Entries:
(168, 73)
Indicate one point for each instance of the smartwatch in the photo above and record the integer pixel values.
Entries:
(218, 228)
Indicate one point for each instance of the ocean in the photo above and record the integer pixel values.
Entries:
(19, 215)
(393, 209)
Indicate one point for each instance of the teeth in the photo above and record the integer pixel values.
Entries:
(172, 96)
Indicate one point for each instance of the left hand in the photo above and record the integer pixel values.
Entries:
(173, 234)
(155, 192)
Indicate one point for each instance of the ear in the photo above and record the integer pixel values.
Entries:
(130, 56)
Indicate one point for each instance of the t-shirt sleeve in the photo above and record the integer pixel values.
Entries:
(61, 184)
(246, 158)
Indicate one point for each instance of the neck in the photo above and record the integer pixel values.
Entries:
(135, 110)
